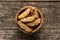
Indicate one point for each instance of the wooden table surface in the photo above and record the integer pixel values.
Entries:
(51, 25)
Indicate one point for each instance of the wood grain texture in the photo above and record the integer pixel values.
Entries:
(17, 5)
(50, 28)
(29, 0)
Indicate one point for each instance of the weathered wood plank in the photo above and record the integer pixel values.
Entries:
(2, 32)
(22, 36)
(17, 5)
(40, 32)
(28, 0)
(16, 34)
(51, 18)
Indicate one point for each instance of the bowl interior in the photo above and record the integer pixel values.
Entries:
(40, 16)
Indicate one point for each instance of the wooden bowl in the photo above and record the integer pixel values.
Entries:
(40, 14)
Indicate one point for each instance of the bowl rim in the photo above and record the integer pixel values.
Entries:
(40, 13)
